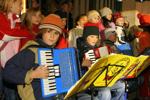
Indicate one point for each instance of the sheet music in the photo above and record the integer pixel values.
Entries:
(107, 70)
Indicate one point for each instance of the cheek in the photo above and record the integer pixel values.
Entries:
(57, 38)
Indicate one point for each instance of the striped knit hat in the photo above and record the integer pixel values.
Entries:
(52, 21)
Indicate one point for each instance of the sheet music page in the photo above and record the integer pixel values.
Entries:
(108, 70)
(144, 63)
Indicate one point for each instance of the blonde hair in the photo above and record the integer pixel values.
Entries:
(5, 5)
(92, 13)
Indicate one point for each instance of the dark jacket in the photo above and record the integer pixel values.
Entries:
(18, 69)
(83, 47)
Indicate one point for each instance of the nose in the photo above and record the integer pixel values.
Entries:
(52, 35)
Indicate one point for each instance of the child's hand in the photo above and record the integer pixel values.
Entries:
(86, 63)
(40, 72)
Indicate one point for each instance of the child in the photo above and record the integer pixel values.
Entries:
(118, 89)
(143, 37)
(120, 28)
(23, 69)
(77, 31)
(94, 19)
(106, 14)
(121, 31)
(10, 29)
(89, 41)
(31, 21)
(11, 32)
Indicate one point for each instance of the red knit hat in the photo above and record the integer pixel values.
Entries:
(144, 19)
(116, 16)
(52, 21)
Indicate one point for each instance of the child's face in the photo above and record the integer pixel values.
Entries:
(109, 16)
(95, 19)
(113, 37)
(50, 37)
(92, 40)
(16, 7)
(120, 21)
(36, 18)
(82, 21)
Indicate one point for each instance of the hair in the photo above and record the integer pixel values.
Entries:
(27, 19)
(92, 13)
(5, 5)
(106, 22)
(79, 17)
(41, 32)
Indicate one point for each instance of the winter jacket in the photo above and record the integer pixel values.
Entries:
(19, 68)
(73, 35)
(83, 47)
(11, 32)
(144, 40)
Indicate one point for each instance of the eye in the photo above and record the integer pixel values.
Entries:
(57, 33)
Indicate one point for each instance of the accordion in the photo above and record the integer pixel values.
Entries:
(63, 70)
(96, 53)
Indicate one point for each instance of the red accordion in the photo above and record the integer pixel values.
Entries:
(96, 53)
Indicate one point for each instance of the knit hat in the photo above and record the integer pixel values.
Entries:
(144, 19)
(116, 16)
(52, 21)
(90, 30)
(105, 11)
(108, 32)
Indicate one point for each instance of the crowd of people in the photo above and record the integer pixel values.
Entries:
(20, 72)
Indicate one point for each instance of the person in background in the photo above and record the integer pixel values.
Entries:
(117, 91)
(106, 14)
(94, 19)
(25, 63)
(11, 31)
(35, 4)
(32, 19)
(120, 28)
(77, 31)
(144, 36)
(65, 7)
(122, 35)
(63, 42)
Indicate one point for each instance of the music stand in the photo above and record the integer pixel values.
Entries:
(106, 71)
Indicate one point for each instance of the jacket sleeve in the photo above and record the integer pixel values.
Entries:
(6, 32)
(19, 67)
